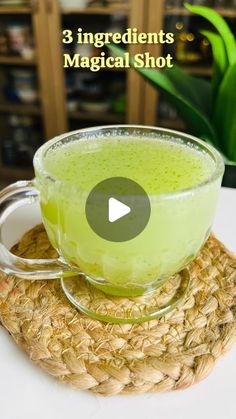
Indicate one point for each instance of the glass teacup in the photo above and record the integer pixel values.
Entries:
(93, 268)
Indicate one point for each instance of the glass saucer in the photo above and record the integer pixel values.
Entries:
(108, 308)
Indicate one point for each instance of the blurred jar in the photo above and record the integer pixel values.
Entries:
(166, 111)
(74, 3)
(8, 152)
(25, 85)
(187, 44)
(24, 141)
(4, 48)
(93, 96)
(206, 50)
(85, 50)
(70, 84)
(117, 25)
(18, 36)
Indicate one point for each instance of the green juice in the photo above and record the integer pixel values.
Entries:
(178, 225)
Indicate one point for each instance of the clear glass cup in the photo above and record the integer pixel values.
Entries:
(115, 283)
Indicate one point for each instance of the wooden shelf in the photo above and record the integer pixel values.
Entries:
(97, 116)
(105, 70)
(180, 11)
(15, 173)
(20, 109)
(177, 11)
(198, 70)
(14, 60)
(96, 10)
(171, 123)
(227, 12)
(5, 10)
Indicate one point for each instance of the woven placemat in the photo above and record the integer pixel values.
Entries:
(171, 353)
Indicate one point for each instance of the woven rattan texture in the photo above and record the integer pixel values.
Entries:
(171, 353)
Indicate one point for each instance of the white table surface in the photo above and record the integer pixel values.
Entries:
(26, 392)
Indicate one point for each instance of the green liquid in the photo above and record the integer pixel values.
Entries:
(177, 228)
(158, 166)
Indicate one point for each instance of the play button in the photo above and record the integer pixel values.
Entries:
(118, 209)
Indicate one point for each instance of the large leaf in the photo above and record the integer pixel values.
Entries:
(225, 113)
(198, 91)
(221, 26)
(194, 118)
(220, 57)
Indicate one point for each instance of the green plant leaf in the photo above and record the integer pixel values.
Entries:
(225, 113)
(198, 91)
(220, 57)
(194, 118)
(221, 26)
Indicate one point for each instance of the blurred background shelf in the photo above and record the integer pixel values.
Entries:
(109, 117)
(180, 11)
(198, 70)
(20, 109)
(107, 70)
(102, 10)
(18, 61)
(14, 10)
(52, 115)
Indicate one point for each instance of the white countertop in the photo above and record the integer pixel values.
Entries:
(26, 392)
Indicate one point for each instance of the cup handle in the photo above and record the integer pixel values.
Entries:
(11, 198)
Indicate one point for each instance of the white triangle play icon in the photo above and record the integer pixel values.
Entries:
(117, 210)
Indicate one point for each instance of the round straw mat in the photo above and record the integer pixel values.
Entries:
(169, 353)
